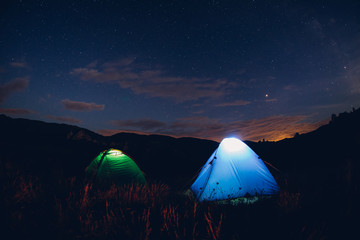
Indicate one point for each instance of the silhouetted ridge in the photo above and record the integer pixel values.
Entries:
(320, 160)
(57, 150)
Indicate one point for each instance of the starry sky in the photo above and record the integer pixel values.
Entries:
(207, 69)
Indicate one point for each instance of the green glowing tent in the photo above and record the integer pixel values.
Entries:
(113, 166)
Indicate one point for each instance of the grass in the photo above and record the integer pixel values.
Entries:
(75, 209)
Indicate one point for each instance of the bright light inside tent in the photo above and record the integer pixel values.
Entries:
(115, 152)
(232, 144)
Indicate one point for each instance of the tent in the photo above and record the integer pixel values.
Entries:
(233, 171)
(113, 166)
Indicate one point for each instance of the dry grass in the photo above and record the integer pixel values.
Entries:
(134, 212)
(289, 201)
(73, 209)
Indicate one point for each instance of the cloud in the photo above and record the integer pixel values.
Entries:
(142, 124)
(82, 106)
(19, 64)
(152, 82)
(235, 103)
(15, 85)
(16, 111)
(271, 100)
(198, 112)
(275, 128)
(292, 87)
(241, 71)
(64, 119)
(271, 128)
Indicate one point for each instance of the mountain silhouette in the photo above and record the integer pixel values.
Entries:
(330, 154)
(317, 161)
(54, 151)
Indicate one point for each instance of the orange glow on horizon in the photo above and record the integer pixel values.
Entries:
(274, 128)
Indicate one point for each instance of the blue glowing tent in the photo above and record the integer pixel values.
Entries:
(233, 171)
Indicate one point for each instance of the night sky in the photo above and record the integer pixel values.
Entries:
(207, 69)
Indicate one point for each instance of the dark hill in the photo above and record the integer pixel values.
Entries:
(323, 165)
(317, 161)
(55, 151)
(330, 153)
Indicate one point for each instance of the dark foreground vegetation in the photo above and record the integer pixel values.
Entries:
(74, 209)
(44, 193)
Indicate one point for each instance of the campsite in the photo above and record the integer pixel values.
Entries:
(177, 119)
(46, 194)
